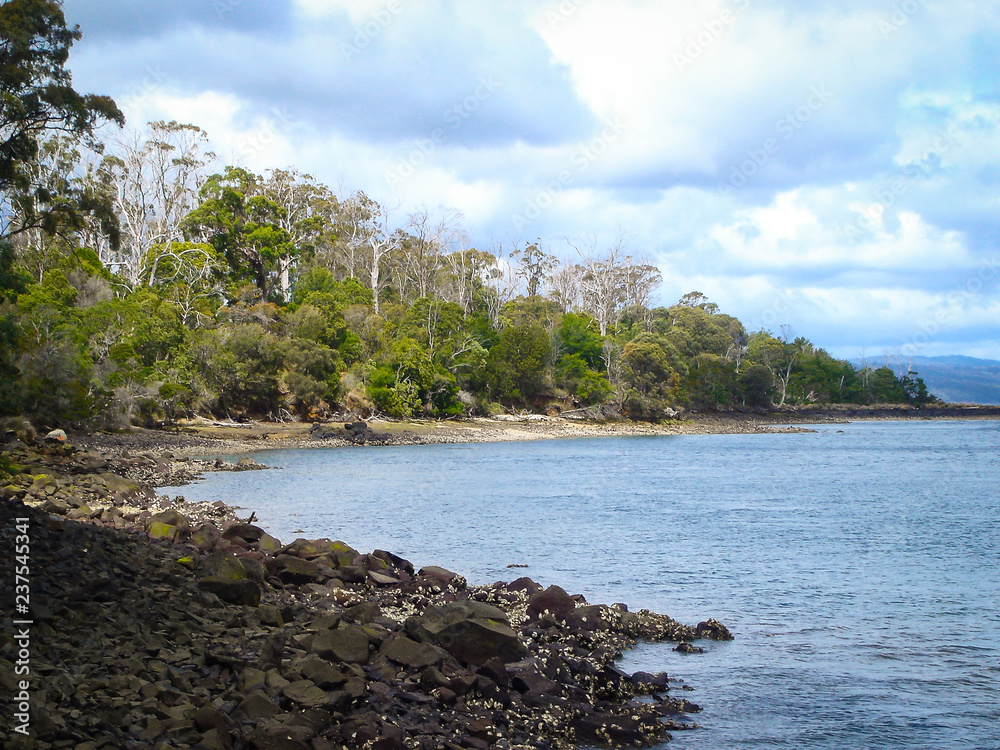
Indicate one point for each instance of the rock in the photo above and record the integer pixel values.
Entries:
(216, 739)
(348, 644)
(381, 579)
(650, 683)
(169, 525)
(553, 600)
(589, 618)
(412, 653)
(713, 630)
(280, 737)
(245, 531)
(209, 717)
(394, 561)
(687, 648)
(223, 574)
(471, 631)
(320, 671)
(294, 570)
(258, 706)
(305, 693)
(206, 537)
(524, 584)
(363, 613)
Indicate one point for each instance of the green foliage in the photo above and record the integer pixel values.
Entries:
(517, 364)
(38, 97)
(285, 297)
(653, 371)
(712, 382)
(241, 365)
(243, 226)
(757, 386)
(578, 334)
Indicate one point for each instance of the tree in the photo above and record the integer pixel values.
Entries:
(243, 226)
(38, 97)
(308, 214)
(421, 262)
(517, 364)
(534, 265)
(611, 282)
(369, 242)
(153, 179)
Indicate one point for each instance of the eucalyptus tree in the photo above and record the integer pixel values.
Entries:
(243, 226)
(152, 178)
(370, 240)
(37, 98)
(421, 260)
(309, 214)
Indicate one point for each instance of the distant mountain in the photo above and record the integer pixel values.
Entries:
(957, 379)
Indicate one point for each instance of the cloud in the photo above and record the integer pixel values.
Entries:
(829, 164)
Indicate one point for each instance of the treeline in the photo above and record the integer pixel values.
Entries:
(141, 283)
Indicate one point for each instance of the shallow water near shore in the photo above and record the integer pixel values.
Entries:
(856, 566)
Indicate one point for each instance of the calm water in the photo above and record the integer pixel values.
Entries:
(857, 567)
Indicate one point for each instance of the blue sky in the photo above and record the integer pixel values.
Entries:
(832, 166)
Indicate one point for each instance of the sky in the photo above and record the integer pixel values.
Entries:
(826, 168)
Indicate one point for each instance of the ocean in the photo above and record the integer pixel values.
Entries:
(858, 567)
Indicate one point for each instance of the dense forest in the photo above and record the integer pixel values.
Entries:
(141, 281)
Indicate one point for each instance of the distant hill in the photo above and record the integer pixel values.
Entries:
(957, 379)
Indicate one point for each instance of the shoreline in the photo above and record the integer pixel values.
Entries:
(203, 630)
(200, 439)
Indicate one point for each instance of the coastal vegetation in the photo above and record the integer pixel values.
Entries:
(142, 281)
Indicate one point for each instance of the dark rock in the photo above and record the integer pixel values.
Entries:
(245, 531)
(524, 584)
(650, 683)
(412, 653)
(348, 643)
(394, 561)
(363, 613)
(305, 693)
(554, 601)
(713, 630)
(258, 706)
(294, 570)
(687, 648)
(471, 631)
(320, 671)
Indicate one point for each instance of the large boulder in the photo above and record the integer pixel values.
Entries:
(411, 653)
(223, 574)
(347, 643)
(470, 631)
(168, 524)
(295, 570)
(553, 601)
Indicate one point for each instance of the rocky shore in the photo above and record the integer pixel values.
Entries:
(156, 623)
